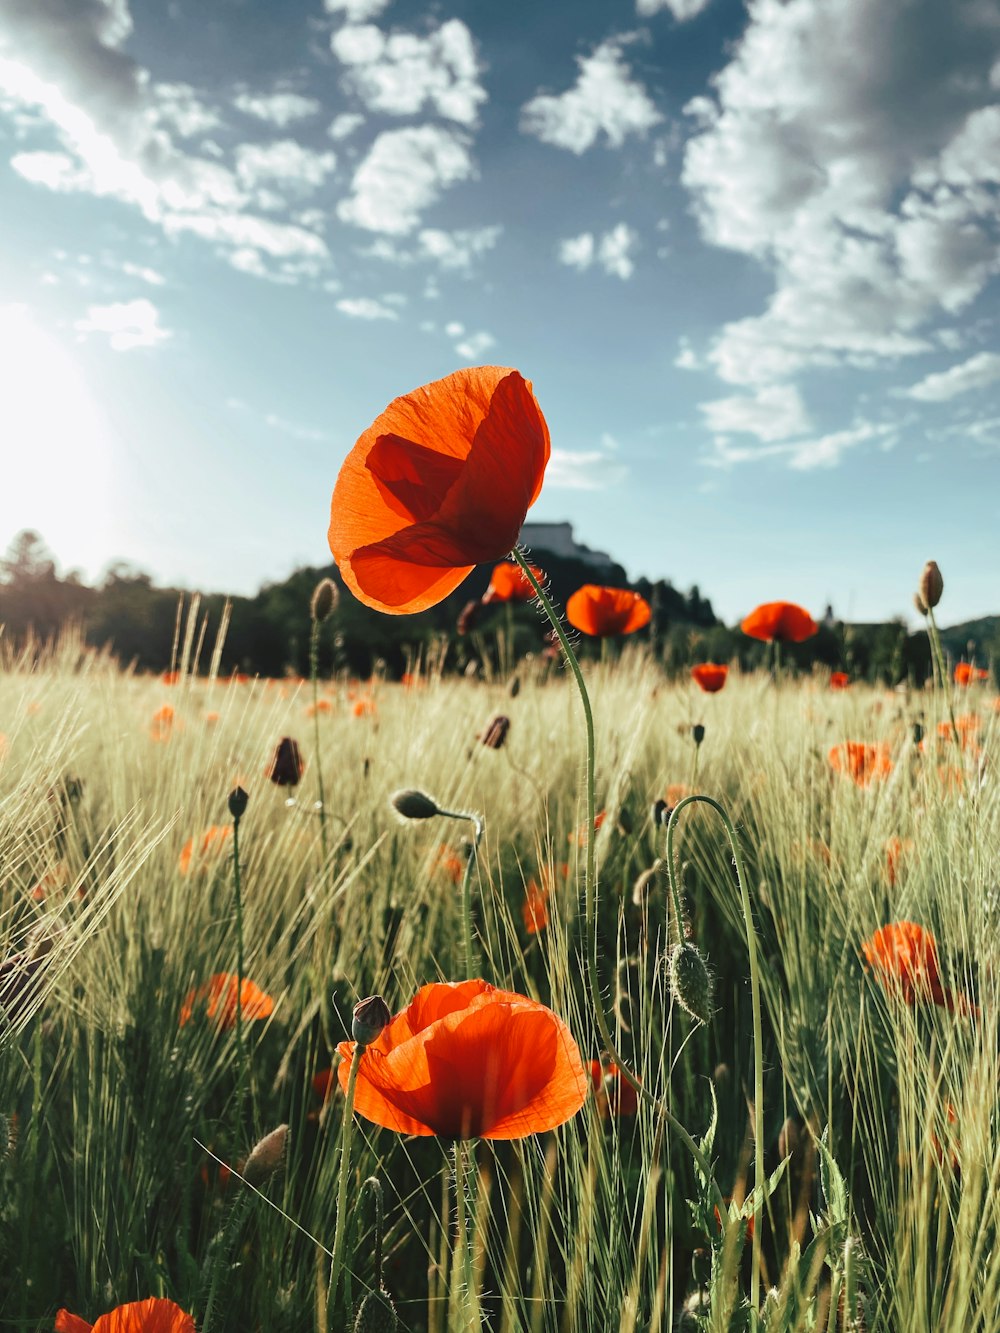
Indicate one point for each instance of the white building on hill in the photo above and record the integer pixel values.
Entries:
(558, 538)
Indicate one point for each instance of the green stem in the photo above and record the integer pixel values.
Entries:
(590, 896)
(935, 638)
(471, 956)
(758, 1052)
(220, 1259)
(240, 1056)
(345, 1163)
(314, 675)
(375, 1186)
(464, 1300)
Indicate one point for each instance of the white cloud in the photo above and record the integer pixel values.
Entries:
(681, 9)
(457, 249)
(806, 455)
(366, 307)
(852, 148)
(344, 125)
(583, 470)
(280, 109)
(473, 347)
(977, 373)
(774, 412)
(356, 11)
(285, 162)
(242, 231)
(613, 252)
(687, 358)
(403, 174)
(127, 324)
(143, 273)
(400, 74)
(605, 99)
(182, 109)
(290, 428)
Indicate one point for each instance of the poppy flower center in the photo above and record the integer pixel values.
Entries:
(412, 478)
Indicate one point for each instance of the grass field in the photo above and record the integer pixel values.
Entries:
(880, 1085)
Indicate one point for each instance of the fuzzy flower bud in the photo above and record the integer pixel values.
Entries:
(370, 1017)
(324, 600)
(931, 585)
(496, 733)
(376, 1314)
(238, 800)
(690, 981)
(698, 733)
(266, 1157)
(414, 804)
(920, 604)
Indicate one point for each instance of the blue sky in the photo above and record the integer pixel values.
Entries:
(748, 256)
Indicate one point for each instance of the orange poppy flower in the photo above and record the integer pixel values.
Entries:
(863, 763)
(896, 850)
(839, 680)
(152, 1315)
(535, 908)
(214, 842)
(604, 611)
(211, 718)
(508, 583)
(217, 997)
(162, 723)
(438, 484)
(464, 1060)
(579, 836)
(364, 707)
(967, 725)
(320, 706)
(966, 673)
(451, 863)
(710, 676)
(781, 621)
(904, 958)
(170, 678)
(613, 1094)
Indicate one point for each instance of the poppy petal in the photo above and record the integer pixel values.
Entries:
(71, 1323)
(152, 1315)
(412, 475)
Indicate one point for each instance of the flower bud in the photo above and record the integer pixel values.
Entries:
(918, 733)
(238, 800)
(650, 880)
(496, 733)
(370, 1017)
(266, 1157)
(690, 981)
(698, 733)
(324, 600)
(286, 767)
(514, 688)
(376, 1314)
(661, 812)
(931, 585)
(414, 804)
(920, 604)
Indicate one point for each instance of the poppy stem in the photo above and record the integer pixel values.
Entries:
(314, 676)
(758, 1054)
(590, 890)
(465, 1314)
(340, 1234)
(374, 1185)
(471, 957)
(938, 650)
(238, 896)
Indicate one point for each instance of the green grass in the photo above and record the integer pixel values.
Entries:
(107, 1196)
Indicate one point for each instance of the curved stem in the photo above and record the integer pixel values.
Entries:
(471, 957)
(590, 898)
(314, 675)
(345, 1163)
(758, 1053)
(375, 1185)
(237, 894)
(935, 639)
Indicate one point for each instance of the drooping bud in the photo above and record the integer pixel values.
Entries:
(376, 1314)
(369, 1018)
(324, 600)
(411, 803)
(238, 801)
(496, 733)
(514, 688)
(661, 812)
(286, 767)
(650, 880)
(266, 1157)
(698, 733)
(918, 733)
(690, 981)
(467, 616)
(931, 585)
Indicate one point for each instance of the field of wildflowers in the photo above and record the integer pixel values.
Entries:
(543, 1000)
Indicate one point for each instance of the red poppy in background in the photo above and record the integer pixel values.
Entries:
(152, 1315)
(579, 836)
(214, 841)
(966, 673)
(967, 725)
(535, 908)
(509, 583)
(614, 1095)
(896, 850)
(170, 678)
(781, 621)
(863, 763)
(603, 611)
(162, 723)
(217, 997)
(839, 680)
(710, 676)
(904, 958)
(438, 484)
(464, 1061)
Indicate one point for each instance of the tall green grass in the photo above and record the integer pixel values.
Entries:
(886, 1215)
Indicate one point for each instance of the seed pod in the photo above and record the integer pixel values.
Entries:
(324, 600)
(238, 801)
(931, 585)
(286, 767)
(496, 733)
(411, 803)
(698, 733)
(376, 1314)
(690, 981)
(266, 1157)
(370, 1017)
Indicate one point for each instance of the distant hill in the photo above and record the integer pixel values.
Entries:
(979, 639)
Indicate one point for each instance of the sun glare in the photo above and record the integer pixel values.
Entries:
(55, 444)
